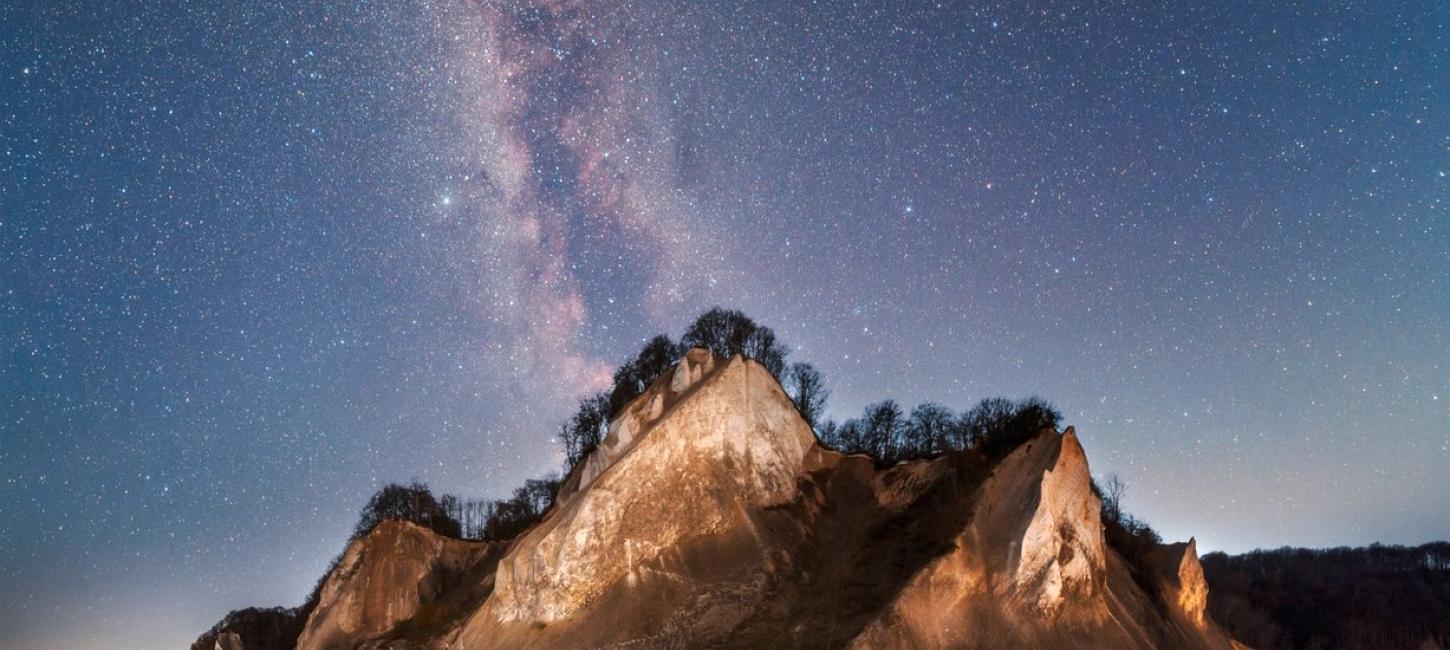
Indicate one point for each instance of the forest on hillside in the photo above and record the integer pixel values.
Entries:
(1363, 598)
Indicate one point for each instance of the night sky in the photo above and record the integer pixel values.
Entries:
(257, 259)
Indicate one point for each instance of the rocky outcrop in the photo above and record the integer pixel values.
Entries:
(689, 460)
(397, 573)
(1061, 560)
(230, 641)
(1028, 569)
(1183, 583)
(640, 414)
(710, 516)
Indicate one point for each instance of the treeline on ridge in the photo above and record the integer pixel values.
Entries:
(885, 431)
(451, 516)
(986, 431)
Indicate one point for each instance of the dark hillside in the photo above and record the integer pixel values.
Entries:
(1293, 598)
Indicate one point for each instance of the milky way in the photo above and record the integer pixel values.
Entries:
(258, 259)
(568, 196)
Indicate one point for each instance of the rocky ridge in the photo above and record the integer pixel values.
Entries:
(710, 516)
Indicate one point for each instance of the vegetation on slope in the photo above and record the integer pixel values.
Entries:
(885, 431)
(1365, 598)
(274, 628)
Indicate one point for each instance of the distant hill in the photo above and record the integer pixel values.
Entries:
(1294, 598)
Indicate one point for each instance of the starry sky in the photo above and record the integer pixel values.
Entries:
(258, 258)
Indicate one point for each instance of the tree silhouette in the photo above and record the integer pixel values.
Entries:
(928, 430)
(994, 427)
(583, 432)
(997, 425)
(632, 378)
(528, 505)
(728, 332)
(1113, 491)
(807, 391)
(413, 503)
(881, 428)
(845, 437)
(1366, 598)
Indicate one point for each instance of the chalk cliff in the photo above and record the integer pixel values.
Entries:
(710, 516)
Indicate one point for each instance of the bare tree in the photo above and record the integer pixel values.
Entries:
(632, 378)
(881, 430)
(1114, 489)
(928, 430)
(844, 437)
(413, 503)
(807, 391)
(997, 425)
(583, 432)
(728, 332)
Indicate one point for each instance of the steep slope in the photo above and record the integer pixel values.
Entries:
(1032, 568)
(709, 516)
(670, 493)
(399, 581)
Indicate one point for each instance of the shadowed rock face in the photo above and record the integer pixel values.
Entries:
(709, 516)
(1028, 569)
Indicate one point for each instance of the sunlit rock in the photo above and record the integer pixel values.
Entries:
(711, 517)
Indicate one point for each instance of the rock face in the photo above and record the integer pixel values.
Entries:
(710, 516)
(230, 641)
(1062, 557)
(714, 441)
(1184, 585)
(1028, 568)
(397, 573)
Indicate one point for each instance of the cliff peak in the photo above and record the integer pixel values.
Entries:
(690, 457)
(1184, 583)
(711, 516)
(1062, 555)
